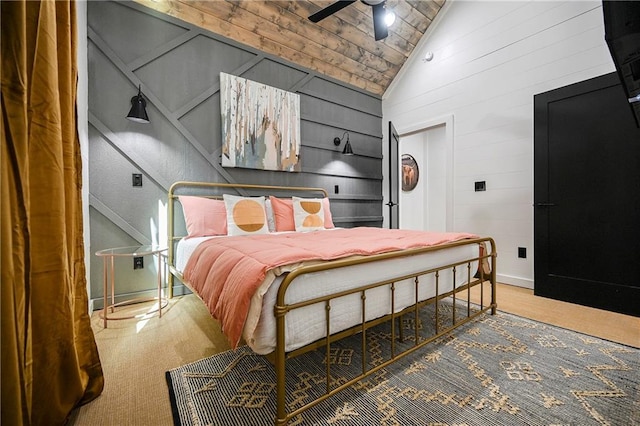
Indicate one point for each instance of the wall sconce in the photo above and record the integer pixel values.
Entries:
(347, 146)
(138, 112)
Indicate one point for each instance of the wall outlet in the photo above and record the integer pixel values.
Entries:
(336, 189)
(138, 262)
(480, 186)
(136, 179)
(522, 252)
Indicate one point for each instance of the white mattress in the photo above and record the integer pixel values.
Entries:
(306, 325)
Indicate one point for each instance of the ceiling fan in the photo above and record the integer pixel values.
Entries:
(380, 27)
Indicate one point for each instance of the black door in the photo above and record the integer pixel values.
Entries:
(587, 196)
(394, 177)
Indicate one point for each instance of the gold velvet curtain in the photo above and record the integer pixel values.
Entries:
(50, 361)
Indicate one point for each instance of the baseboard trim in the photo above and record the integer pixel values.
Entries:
(181, 290)
(517, 281)
(97, 304)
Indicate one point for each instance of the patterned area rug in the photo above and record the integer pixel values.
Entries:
(494, 370)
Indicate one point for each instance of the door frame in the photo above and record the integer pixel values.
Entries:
(447, 121)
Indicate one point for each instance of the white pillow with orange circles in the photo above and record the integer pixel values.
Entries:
(308, 213)
(245, 215)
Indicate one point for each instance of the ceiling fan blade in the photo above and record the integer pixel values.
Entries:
(330, 10)
(380, 28)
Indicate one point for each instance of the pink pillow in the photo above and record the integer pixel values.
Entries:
(283, 214)
(204, 217)
(328, 219)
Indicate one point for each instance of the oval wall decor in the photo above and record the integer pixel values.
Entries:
(410, 172)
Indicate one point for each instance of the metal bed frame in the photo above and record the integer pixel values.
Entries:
(280, 356)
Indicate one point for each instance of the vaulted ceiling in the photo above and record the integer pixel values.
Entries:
(341, 46)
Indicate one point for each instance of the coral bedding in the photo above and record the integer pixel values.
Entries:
(226, 272)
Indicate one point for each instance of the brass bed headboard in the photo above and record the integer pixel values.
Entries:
(215, 190)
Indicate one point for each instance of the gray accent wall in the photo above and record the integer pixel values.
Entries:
(177, 66)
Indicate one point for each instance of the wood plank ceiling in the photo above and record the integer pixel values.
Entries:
(341, 46)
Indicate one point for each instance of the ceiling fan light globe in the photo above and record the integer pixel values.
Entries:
(389, 18)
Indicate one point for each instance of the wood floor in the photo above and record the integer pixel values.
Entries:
(595, 322)
(136, 353)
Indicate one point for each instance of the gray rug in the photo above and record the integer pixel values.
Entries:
(495, 370)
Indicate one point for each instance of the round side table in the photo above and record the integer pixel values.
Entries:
(108, 278)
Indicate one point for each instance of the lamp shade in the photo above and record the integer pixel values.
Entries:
(347, 148)
(138, 112)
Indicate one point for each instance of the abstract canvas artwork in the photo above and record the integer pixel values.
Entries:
(260, 125)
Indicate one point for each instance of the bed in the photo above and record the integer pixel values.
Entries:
(285, 286)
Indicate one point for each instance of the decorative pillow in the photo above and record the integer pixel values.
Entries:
(271, 220)
(328, 218)
(308, 213)
(245, 215)
(283, 214)
(204, 217)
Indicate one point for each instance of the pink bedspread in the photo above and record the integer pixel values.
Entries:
(225, 272)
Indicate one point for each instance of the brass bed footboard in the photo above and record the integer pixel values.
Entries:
(281, 309)
(475, 276)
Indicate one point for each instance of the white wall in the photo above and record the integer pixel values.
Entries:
(490, 59)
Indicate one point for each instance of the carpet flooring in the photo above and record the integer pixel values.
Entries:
(494, 370)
